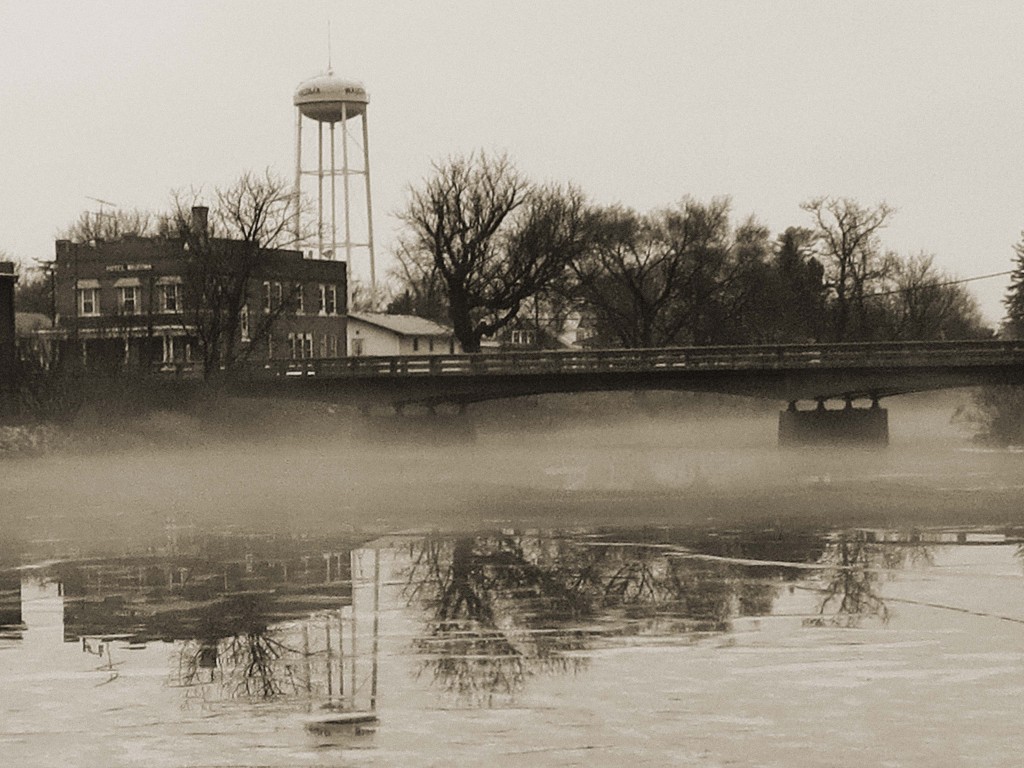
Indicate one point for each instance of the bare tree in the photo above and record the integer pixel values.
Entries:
(926, 304)
(848, 237)
(420, 289)
(112, 225)
(700, 241)
(629, 279)
(494, 239)
(225, 262)
(662, 278)
(256, 208)
(743, 303)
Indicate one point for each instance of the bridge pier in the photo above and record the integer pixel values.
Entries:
(845, 426)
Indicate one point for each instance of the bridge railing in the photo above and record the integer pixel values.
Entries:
(784, 356)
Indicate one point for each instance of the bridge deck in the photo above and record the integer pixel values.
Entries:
(786, 372)
(785, 356)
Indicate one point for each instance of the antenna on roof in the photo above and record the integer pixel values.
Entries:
(101, 213)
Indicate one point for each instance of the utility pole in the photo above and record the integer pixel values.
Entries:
(8, 348)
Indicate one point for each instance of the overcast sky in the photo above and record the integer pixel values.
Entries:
(919, 104)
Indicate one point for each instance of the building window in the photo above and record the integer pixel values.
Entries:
(172, 351)
(273, 296)
(243, 322)
(357, 347)
(300, 299)
(170, 298)
(300, 346)
(415, 343)
(585, 334)
(323, 345)
(327, 303)
(176, 349)
(128, 299)
(332, 345)
(88, 302)
(521, 338)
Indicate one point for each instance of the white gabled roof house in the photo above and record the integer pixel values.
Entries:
(376, 334)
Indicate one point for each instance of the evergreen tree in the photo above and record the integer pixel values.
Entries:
(1014, 301)
(999, 411)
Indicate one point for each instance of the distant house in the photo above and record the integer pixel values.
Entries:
(522, 334)
(548, 331)
(376, 334)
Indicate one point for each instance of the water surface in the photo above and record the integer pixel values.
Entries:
(783, 645)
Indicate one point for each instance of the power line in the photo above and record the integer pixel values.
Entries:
(940, 285)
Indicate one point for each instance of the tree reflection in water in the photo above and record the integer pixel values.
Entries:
(237, 606)
(851, 592)
(505, 606)
(484, 640)
(237, 648)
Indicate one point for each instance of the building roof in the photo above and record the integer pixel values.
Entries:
(403, 325)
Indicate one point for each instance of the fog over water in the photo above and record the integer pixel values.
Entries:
(603, 580)
(312, 464)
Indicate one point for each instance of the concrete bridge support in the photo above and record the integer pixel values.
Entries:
(867, 427)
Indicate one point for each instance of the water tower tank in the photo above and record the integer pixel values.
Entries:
(328, 98)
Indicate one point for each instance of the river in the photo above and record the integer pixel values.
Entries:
(623, 597)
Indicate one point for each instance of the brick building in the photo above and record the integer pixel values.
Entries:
(141, 301)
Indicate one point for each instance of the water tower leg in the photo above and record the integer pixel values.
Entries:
(369, 214)
(297, 222)
(334, 200)
(320, 190)
(344, 181)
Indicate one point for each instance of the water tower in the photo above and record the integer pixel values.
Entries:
(329, 101)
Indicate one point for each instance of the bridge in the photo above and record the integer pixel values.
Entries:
(788, 373)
